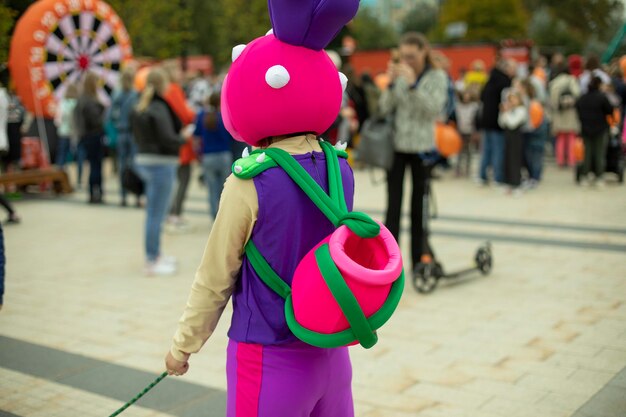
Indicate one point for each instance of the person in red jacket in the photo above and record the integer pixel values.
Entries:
(175, 97)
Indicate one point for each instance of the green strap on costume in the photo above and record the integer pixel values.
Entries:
(333, 206)
(266, 272)
(335, 183)
(344, 297)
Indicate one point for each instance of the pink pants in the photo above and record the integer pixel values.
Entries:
(293, 380)
(565, 148)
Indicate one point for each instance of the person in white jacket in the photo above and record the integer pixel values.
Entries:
(4, 115)
(513, 116)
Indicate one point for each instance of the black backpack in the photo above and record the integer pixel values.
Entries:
(132, 182)
(567, 100)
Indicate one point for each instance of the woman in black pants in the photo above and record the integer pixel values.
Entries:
(416, 99)
(89, 116)
(420, 172)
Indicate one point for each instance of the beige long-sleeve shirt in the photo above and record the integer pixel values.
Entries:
(216, 276)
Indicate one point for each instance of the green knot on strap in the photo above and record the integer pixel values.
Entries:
(361, 224)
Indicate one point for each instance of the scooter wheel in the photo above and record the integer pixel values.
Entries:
(484, 260)
(426, 277)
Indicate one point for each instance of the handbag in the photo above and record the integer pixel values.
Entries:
(132, 182)
(376, 144)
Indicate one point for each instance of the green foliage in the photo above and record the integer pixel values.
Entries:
(575, 25)
(600, 17)
(552, 32)
(162, 29)
(422, 18)
(238, 22)
(19, 6)
(203, 17)
(370, 33)
(6, 24)
(157, 28)
(487, 20)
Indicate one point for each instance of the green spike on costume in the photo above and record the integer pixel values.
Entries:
(250, 166)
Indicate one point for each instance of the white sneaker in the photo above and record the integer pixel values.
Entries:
(159, 268)
(178, 228)
(168, 259)
(584, 182)
(600, 184)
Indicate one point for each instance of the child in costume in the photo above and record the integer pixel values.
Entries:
(284, 223)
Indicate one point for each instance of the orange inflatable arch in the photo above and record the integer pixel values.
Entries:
(57, 41)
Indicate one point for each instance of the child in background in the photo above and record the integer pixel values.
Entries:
(64, 121)
(466, 110)
(215, 150)
(513, 116)
(118, 117)
(534, 132)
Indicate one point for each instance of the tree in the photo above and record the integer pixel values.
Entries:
(19, 6)
(6, 24)
(158, 29)
(422, 18)
(549, 31)
(487, 20)
(203, 24)
(370, 33)
(238, 22)
(586, 17)
(575, 25)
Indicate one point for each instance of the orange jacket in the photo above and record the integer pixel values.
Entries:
(175, 97)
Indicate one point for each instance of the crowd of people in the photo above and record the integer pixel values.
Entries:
(513, 114)
(153, 134)
(510, 116)
(507, 116)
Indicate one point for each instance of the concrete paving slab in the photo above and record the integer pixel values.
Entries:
(173, 396)
(610, 401)
(540, 336)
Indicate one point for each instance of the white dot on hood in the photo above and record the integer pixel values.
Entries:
(277, 76)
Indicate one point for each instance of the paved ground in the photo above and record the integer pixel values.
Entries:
(82, 330)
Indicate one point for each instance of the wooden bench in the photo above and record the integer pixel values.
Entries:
(54, 175)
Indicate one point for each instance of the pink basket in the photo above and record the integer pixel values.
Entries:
(369, 267)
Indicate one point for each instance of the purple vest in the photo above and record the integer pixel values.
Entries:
(288, 226)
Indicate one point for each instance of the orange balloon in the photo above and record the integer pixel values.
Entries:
(141, 77)
(540, 73)
(613, 119)
(448, 140)
(579, 150)
(536, 114)
(382, 81)
(56, 41)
